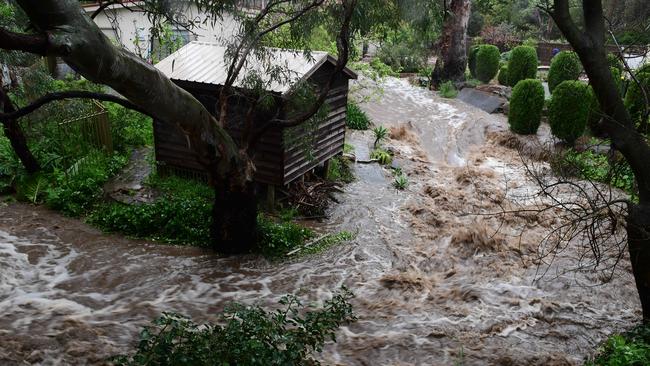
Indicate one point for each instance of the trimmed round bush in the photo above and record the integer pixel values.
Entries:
(522, 65)
(503, 75)
(614, 61)
(634, 100)
(569, 110)
(471, 60)
(526, 106)
(564, 66)
(487, 62)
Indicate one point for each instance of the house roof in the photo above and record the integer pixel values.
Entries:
(203, 62)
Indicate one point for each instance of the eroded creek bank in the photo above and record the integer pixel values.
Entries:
(435, 283)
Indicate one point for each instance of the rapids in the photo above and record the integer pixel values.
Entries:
(435, 284)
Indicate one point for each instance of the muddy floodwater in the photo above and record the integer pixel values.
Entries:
(436, 281)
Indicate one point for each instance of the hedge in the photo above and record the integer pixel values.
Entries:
(503, 75)
(526, 106)
(564, 66)
(569, 109)
(522, 65)
(487, 62)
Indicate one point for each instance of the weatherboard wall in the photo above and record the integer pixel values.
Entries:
(279, 160)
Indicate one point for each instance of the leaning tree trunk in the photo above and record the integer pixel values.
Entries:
(452, 60)
(234, 217)
(67, 32)
(638, 236)
(16, 137)
(618, 126)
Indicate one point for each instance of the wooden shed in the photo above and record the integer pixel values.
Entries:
(280, 156)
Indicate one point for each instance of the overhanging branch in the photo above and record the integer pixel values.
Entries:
(343, 46)
(32, 43)
(71, 94)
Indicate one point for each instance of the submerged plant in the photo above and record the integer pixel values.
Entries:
(401, 182)
(382, 156)
(380, 134)
(448, 90)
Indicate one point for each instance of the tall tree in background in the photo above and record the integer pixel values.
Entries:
(616, 124)
(62, 29)
(452, 60)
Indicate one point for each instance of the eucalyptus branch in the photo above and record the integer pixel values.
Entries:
(31, 43)
(103, 6)
(343, 46)
(71, 94)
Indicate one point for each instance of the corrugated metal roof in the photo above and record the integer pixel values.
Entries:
(203, 62)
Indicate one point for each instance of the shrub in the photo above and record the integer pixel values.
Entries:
(78, 189)
(382, 156)
(275, 239)
(564, 66)
(382, 69)
(614, 61)
(503, 75)
(401, 182)
(471, 60)
(356, 117)
(631, 348)
(487, 62)
(129, 128)
(596, 167)
(634, 100)
(448, 90)
(526, 106)
(503, 35)
(522, 65)
(404, 50)
(180, 215)
(568, 110)
(244, 335)
(339, 170)
(401, 57)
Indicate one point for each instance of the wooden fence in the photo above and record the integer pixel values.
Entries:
(95, 127)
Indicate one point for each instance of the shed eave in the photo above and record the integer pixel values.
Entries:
(328, 58)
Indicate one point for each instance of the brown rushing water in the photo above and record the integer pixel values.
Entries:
(433, 285)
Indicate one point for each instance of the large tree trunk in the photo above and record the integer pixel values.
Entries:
(618, 126)
(16, 137)
(234, 218)
(452, 61)
(638, 236)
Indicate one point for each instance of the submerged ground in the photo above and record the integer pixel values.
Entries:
(437, 282)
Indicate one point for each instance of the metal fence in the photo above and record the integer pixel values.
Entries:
(95, 127)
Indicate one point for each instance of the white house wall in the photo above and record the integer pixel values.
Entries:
(131, 27)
